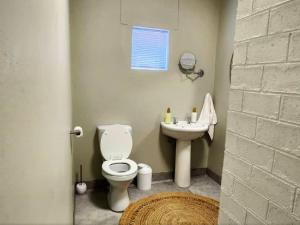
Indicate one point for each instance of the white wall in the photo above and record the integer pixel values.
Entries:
(35, 113)
(261, 182)
(107, 91)
(222, 83)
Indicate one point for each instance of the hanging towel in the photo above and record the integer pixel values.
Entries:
(208, 115)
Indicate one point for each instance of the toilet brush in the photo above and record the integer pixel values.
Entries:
(81, 187)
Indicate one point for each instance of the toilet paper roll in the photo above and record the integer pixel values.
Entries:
(78, 131)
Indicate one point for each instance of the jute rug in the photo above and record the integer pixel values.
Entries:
(172, 208)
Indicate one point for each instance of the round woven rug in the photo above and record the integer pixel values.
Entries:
(172, 208)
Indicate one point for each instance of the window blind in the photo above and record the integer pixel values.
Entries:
(150, 49)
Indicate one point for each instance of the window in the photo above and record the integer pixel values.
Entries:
(149, 49)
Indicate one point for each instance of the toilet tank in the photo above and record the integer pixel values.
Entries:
(102, 128)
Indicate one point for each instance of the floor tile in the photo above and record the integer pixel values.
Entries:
(205, 186)
(92, 208)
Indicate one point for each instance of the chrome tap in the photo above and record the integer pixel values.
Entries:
(188, 119)
(174, 120)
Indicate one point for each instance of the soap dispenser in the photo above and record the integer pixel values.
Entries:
(194, 115)
(168, 116)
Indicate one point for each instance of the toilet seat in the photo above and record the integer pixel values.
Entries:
(110, 167)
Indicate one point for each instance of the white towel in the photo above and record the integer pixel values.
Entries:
(208, 115)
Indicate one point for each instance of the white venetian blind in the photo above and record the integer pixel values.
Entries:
(150, 49)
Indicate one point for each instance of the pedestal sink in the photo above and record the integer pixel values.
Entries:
(184, 133)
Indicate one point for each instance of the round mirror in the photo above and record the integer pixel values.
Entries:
(187, 63)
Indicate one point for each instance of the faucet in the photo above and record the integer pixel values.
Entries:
(174, 120)
(188, 120)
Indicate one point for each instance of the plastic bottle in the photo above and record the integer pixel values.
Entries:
(194, 115)
(168, 116)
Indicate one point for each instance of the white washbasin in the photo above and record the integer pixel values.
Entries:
(184, 133)
(183, 130)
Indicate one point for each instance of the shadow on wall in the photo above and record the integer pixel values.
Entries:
(200, 151)
(153, 140)
(167, 146)
(97, 157)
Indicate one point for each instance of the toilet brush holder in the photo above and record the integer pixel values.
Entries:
(81, 186)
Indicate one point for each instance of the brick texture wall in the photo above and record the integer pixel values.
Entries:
(261, 174)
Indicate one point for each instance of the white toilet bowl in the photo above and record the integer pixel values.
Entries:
(116, 145)
(119, 174)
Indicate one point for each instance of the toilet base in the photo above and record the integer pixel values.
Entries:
(118, 199)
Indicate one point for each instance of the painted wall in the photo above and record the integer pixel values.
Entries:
(35, 113)
(261, 182)
(222, 82)
(107, 91)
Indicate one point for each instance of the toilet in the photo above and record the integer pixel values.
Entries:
(115, 145)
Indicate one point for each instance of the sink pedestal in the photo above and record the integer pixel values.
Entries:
(183, 163)
(184, 133)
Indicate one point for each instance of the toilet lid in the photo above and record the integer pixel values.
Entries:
(116, 143)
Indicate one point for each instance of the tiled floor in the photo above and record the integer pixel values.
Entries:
(92, 209)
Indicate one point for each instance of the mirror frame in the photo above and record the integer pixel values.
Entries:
(181, 66)
(189, 72)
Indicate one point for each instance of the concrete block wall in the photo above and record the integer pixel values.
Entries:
(261, 173)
